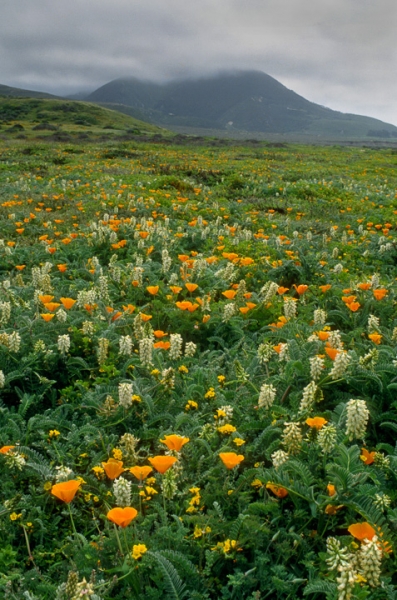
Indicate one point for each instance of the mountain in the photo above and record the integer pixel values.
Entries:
(248, 101)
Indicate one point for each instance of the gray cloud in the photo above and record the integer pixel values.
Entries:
(339, 53)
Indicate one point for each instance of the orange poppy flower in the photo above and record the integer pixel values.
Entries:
(348, 299)
(376, 338)
(231, 459)
(66, 490)
(175, 289)
(113, 468)
(331, 489)
(51, 306)
(206, 318)
(191, 286)
(316, 422)
(47, 316)
(353, 306)
(141, 472)
(153, 289)
(159, 333)
(6, 449)
(330, 509)
(162, 463)
(122, 516)
(183, 257)
(325, 288)
(332, 353)
(145, 317)
(46, 298)
(162, 345)
(62, 268)
(174, 442)
(379, 294)
(364, 286)
(301, 289)
(367, 457)
(362, 531)
(20, 267)
(229, 294)
(277, 490)
(68, 303)
(323, 335)
(281, 290)
(187, 305)
(244, 309)
(52, 250)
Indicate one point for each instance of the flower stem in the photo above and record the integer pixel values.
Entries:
(118, 540)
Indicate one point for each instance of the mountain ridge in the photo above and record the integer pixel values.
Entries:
(249, 101)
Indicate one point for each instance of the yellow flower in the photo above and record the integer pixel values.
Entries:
(53, 433)
(257, 484)
(98, 471)
(47, 486)
(117, 453)
(210, 393)
(136, 398)
(183, 369)
(14, 516)
(138, 550)
(238, 441)
(191, 404)
(227, 429)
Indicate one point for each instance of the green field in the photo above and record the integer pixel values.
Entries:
(198, 366)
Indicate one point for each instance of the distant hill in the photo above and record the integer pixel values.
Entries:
(249, 101)
(11, 92)
(32, 117)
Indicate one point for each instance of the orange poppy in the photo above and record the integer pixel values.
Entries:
(277, 490)
(174, 442)
(51, 306)
(379, 294)
(153, 289)
(187, 305)
(162, 463)
(206, 318)
(316, 422)
(281, 290)
(62, 268)
(323, 335)
(6, 449)
(301, 289)
(46, 298)
(47, 316)
(141, 472)
(162, 345)
(20, 267)
(364, 286)
(122, 516)
(191, 286)
(376, 338)
(325, 288)
(159, 333)
(229, 294)
(332, 353)
(145, 317)
(367, 457)
(113, 468)
(331, 489)
(66, 490)
(353, 306)
(231, 459)
(362, 531)
(330, 509)
(68, 303)
(175, 289)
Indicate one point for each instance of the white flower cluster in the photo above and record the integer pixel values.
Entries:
(190, 349)
(308, 397)
(125, 394)
(125, 345)
(316, 367)
(319, 317)
(289, 308)
(267, 395)
(102, 350)
(228, 311)
(279, 458)
(292, 438)
(145, 351)
(176, 343)
(63, 344)
(265, 352)
(357, 419)
(122, 492)
(340, 365)
(326, 438)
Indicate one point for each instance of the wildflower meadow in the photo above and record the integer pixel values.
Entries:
(198, 354)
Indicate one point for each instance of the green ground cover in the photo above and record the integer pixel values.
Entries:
(198, 370)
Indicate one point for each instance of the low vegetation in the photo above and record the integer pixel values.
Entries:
(198, 369)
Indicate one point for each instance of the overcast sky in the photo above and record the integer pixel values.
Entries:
(339, 53)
